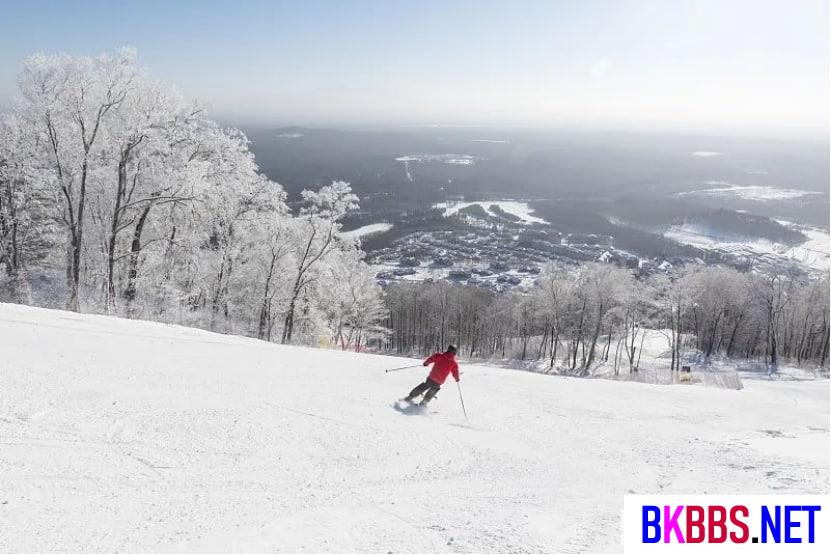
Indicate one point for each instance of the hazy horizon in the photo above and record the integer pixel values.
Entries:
(747, 68)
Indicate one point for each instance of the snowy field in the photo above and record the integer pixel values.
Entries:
(366, 230)
(454, 159)
(133, 436)
(516, 208)
(813, 253)
(749, 192)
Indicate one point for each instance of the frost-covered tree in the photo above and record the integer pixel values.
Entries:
(351, 301)
(635, 298)
(26, 228)
(552, 295)
(69, 101)
(149, 208)
(672, 297)
(716, 296)
(315, 236)
(604, 286)
(151, 146)
(772, 295)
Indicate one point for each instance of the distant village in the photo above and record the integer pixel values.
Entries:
(499, 259)
(497, 250)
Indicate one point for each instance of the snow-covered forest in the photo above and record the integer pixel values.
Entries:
(574, 319)
(120, 196)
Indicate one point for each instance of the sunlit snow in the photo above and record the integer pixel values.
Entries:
(366, 230)
(135, 436)
(749, 192)
(517, 208)
(445, 158)
(813, 253)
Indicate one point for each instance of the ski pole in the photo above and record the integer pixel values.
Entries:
(462, 400)
(401, 368)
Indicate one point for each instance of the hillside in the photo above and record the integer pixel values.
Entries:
(126, 435)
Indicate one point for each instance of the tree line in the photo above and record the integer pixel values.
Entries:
(574, 319)
(118, 195)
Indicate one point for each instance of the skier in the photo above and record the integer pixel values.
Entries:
(443, 364)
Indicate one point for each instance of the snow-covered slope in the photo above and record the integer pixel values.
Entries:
(363, 231)
(133, 436)
(813, 254)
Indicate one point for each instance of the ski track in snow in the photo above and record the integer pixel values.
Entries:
(125, 435)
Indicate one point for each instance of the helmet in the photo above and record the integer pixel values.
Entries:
(451, 349)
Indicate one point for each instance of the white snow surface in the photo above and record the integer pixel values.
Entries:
(813, 253)
(761, 193)
(517, 208)
(456, 159)
(122, 435)
(369, 229)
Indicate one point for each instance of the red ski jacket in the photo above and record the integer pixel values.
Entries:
(443, 364)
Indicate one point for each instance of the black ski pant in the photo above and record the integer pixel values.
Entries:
(429, 388)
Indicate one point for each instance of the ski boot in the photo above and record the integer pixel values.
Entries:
(429, 396)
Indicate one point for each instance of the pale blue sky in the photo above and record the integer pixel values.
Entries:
(706, 65)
